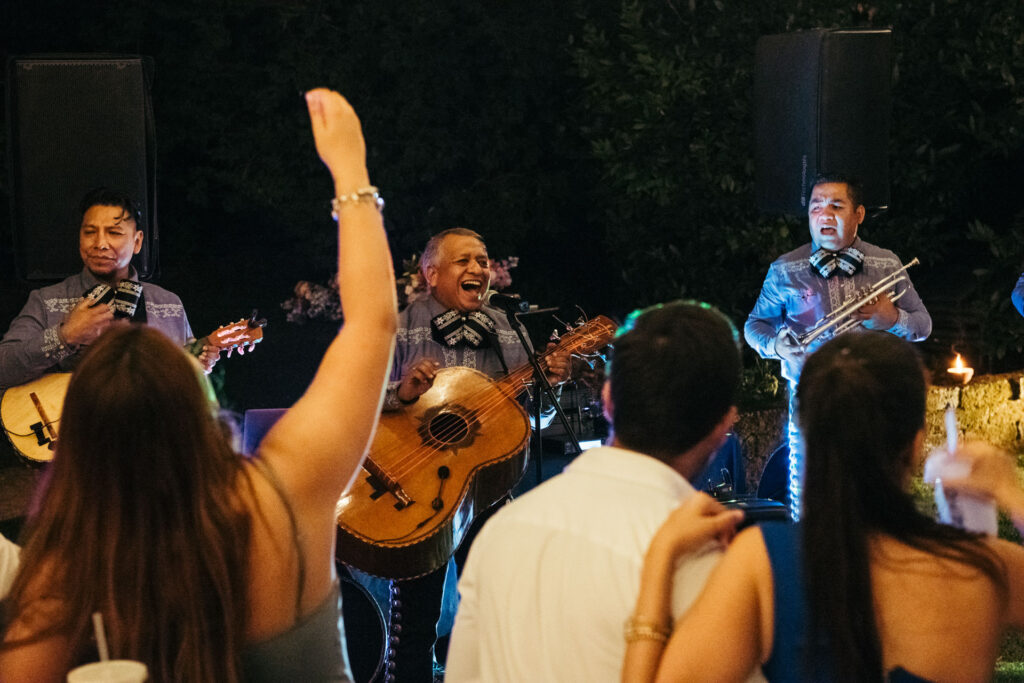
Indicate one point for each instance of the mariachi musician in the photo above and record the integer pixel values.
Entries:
(810, 283)
(57, 323)
(450, 327)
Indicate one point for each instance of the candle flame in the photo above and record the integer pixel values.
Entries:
(960, 369)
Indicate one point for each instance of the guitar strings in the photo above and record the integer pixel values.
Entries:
(493, 399)
(517, 377)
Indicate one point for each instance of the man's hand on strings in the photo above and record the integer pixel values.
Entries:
(417, 380)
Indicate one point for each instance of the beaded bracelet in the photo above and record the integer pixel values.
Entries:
(364, 193)
(638, 629)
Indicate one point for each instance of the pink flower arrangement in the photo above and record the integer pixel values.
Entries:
(500, 275)
(411, 285)
(312, 300)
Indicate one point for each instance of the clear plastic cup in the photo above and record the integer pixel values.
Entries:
(111, 671)
(959, 509)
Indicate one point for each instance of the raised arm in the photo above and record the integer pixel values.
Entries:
(318, 445)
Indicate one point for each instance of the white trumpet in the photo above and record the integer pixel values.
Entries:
(842, 318)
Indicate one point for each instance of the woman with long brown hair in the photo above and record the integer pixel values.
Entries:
(866, 587)
(207, 566)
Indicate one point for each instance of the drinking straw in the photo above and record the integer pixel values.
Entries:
(952, 432)
(101, 636)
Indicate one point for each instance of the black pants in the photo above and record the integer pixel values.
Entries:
(415, 610)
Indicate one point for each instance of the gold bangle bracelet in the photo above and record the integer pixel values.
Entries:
(638, 629)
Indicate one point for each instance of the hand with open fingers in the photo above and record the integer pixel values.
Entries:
(992, 473)
(339, 138)
(417, 379)
(86, 322)
(880, 314)
(557, 365)
(695, 523)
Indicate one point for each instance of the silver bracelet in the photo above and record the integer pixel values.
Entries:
(362, 194)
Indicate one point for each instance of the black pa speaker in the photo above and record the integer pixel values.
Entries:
(822, 104)
(75, 123)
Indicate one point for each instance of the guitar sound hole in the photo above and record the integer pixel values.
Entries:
(448, 428)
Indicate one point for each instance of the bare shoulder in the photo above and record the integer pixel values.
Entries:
(1011, 553)
(748, 550)
(746, 560)
(1012, 557)
(28, 652)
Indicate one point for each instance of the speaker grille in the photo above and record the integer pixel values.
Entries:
(821, 104)
(75, 124)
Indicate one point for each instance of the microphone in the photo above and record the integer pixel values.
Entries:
(126, 300)
(512, 303)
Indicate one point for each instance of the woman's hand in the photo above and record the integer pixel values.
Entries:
(992, 473)
(339, 139)
(695, 523)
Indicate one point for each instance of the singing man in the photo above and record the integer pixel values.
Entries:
(808, 283)
(451, 327)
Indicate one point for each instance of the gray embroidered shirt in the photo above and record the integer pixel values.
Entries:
(33, 347)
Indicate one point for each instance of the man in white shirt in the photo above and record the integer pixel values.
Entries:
(552, 577)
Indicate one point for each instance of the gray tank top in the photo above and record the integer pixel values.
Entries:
(313, 648)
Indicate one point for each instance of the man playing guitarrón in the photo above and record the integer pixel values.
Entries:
(450, 327)
(57, 323)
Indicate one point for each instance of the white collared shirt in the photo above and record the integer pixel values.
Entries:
(553, 576)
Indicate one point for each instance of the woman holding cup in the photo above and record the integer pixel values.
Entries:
(865, 587)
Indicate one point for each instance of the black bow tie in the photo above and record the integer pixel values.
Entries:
(454, 328)
(848, 261)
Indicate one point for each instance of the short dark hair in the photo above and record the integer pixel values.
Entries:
(853, 185)
(675, 373)
(105, 196)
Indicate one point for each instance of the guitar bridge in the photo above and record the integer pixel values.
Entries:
(382, 483)
(41, 438)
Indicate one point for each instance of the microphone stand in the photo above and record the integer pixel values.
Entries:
(512, 311)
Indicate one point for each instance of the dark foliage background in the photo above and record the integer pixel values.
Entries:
(608, 143)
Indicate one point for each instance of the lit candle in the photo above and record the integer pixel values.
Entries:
(963, 373)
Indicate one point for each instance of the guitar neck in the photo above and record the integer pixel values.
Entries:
(591, 336)
(517, 381)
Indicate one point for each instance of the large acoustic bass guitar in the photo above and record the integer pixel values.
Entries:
(31, 412)
(436, 464)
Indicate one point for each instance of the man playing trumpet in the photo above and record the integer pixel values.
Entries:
(809, 283)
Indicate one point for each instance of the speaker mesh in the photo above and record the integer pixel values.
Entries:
(75, 124)
(821, 104)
